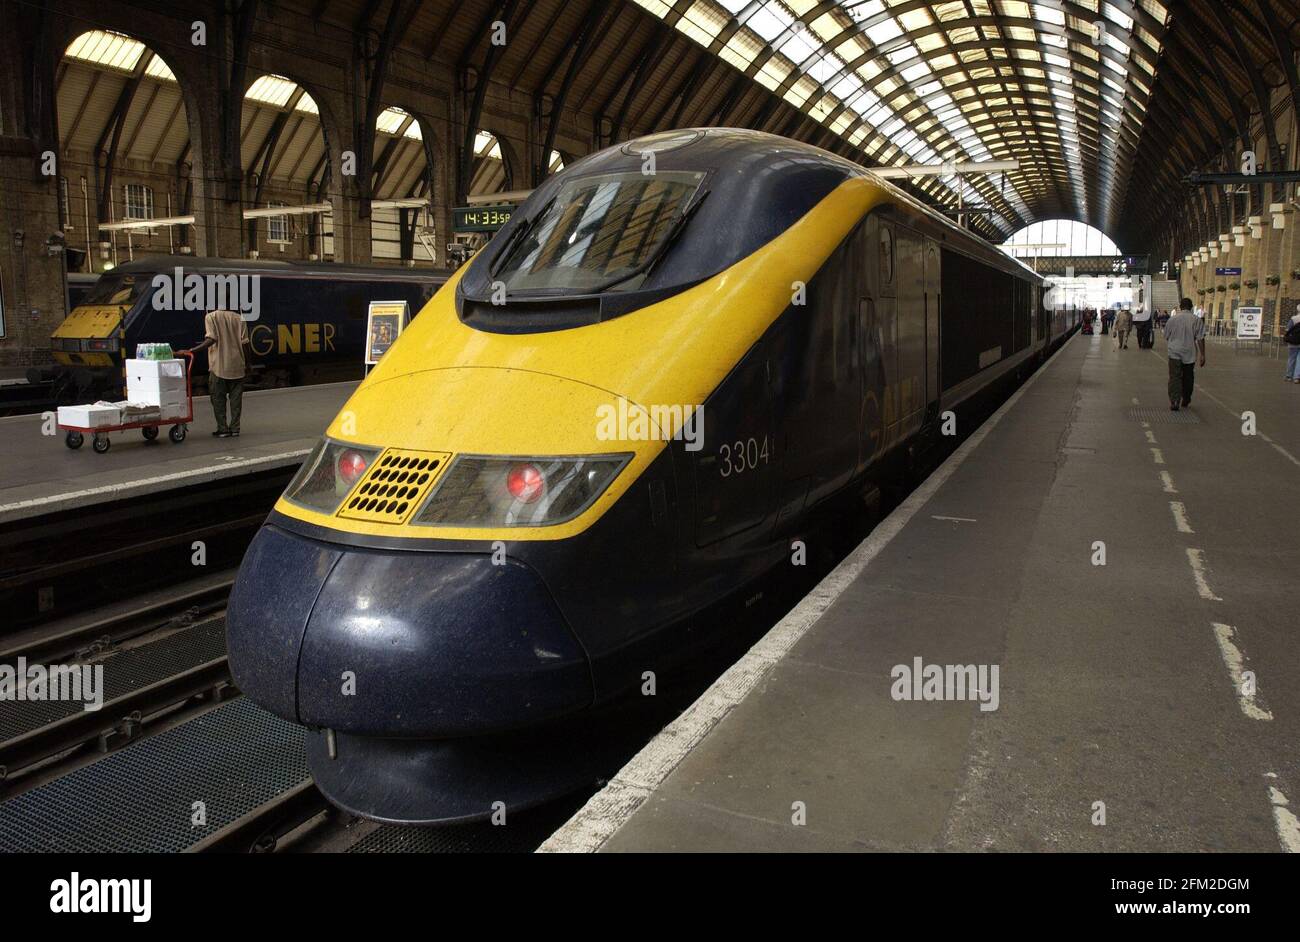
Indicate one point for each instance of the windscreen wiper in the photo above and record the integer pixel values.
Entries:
(657, 255)
(516, 237)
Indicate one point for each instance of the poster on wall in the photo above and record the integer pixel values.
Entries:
(383, 326)
(1250, 323)
(2, 305)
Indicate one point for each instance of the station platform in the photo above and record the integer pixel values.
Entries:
(279, 428)
(1122, 715)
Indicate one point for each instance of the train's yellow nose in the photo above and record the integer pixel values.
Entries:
(85, 336)
(496, 411)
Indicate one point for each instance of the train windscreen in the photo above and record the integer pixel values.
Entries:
(118, 289)
(599, 233)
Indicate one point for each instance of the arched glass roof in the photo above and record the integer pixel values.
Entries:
(1060, 237)
(1060, 85)
(116, 52)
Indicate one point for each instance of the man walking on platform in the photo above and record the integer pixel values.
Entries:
(227, 334)
(1185, 336)
(1142, 327)
(1123, 324)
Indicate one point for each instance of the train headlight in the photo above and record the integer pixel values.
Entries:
(328, 474)
(480, 491)
(351, 465)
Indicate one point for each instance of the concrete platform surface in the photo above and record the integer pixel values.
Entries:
(1122, 716)
(279, 427)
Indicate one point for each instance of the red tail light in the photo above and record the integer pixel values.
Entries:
(526, 483)
(352, 465)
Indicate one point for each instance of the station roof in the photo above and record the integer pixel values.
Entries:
(1101, 101)
(1106, 104)
(277, 111)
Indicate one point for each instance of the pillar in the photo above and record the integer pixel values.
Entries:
(31, 265)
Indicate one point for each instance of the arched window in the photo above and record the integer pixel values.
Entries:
(1060, 237)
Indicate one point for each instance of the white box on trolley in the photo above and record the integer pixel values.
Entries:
(89, 416)
(174, 410)
(157, 382)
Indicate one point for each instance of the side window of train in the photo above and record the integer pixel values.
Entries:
(886, 255)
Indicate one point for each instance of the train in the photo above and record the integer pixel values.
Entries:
(621, 411)
(306, 320)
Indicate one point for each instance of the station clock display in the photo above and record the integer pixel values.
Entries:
(481, 218)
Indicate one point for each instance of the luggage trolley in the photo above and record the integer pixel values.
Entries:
(100, 442)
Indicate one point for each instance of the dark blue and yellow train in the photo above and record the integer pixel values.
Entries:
(306, 321)
(618, 414)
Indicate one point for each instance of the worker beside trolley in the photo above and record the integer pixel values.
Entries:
(226, 335)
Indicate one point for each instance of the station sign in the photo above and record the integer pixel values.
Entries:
(1227, 271)
(1250, 323)
(481, 218)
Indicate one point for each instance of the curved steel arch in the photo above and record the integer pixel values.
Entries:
(1158, 97)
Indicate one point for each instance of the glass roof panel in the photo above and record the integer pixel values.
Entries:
(106, 49)
(881, 72)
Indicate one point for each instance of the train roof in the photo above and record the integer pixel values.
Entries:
(205, 263)
(973, 243)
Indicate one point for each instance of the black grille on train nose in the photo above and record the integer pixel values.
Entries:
(394, 485)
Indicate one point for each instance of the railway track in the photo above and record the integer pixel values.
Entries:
(59, 564)
(82, 635)
(159, 661)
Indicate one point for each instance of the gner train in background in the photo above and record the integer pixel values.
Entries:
(309, 325)
(513, 515)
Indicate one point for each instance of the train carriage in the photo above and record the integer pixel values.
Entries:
(307, 321)
(677, 351)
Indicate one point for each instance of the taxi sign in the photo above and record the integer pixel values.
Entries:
(1250, 323)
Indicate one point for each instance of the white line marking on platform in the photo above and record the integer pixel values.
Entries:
(1151, 437)
(1135, 400)
(1146, 424)
(1235, 661)
(1288, 826)
(1157, 456)
(1274, 445)
(1196, 559)
(1278, 448)
(54, 502)
(611, 807)
(1282, 451)
(1180, 516)
(955, 519)
(1167, 480)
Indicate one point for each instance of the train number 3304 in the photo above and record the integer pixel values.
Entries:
(743, 455)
